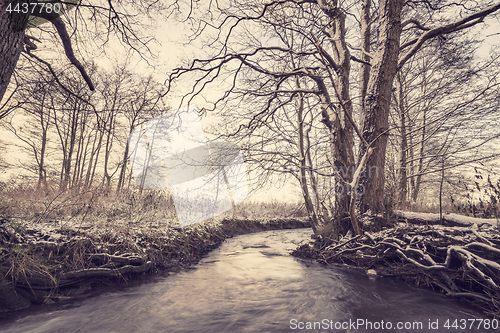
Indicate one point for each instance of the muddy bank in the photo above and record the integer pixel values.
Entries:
(47, 262)
(459, 261)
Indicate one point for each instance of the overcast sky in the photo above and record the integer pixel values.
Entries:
(172, 50)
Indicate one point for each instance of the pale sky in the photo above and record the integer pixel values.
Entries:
(172, 50)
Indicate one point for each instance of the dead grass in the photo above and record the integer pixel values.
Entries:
(96, 206)
(24, 266)
(44, 236)
(266, 210)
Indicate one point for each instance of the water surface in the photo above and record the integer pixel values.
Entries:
(252, 284)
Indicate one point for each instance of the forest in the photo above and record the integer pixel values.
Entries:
(383, 114)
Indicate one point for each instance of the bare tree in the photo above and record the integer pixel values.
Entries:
(322, 40)
(34, 132)
(68, 122)
(81, 127)
(91, 23)
(102, 21)
(446, 104)
(140, 107)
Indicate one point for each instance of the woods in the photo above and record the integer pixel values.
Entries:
(81, 133)
(282, 61)
(370, 80)
(370, 108)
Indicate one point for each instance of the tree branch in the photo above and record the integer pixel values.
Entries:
(68, 49)
(416, 23)
(446, 29)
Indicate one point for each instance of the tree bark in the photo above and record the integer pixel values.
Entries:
(11, 45)
(107, 152)
(343, 165)
(337, 121)
(72, 128)
(44, 124)
(303, 165)
(416, 189)
(365, 36)
(121, 178)
(403, 179)
(377, 102)
(321, 211)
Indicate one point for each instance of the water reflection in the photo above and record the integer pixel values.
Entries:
(251, 284)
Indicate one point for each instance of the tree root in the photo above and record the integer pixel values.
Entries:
(460, 261)
(126, 258)
(105, 272)
(114, 267)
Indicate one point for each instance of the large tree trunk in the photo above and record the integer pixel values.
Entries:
(377, 102)
(11, 45)
(337, 121)
(343, 163)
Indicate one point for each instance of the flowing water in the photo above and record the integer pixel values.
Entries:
(252, 284)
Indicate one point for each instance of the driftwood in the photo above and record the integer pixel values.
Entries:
(460, 261)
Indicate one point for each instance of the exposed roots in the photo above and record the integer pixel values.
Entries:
(46, 262)
(461, 262)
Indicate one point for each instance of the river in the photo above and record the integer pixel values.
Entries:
(252, 284)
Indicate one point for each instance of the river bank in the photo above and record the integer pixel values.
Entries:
(460, 259)
(51, 261)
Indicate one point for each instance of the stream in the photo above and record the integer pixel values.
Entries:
(252, 284)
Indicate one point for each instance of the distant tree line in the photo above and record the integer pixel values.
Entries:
(79, 138)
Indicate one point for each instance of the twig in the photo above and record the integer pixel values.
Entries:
(330, 248)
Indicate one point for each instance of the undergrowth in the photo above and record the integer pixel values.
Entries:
(83, 205)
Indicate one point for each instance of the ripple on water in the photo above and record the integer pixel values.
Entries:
(249, 284)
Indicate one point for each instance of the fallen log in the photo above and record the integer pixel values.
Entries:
(448, 219)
